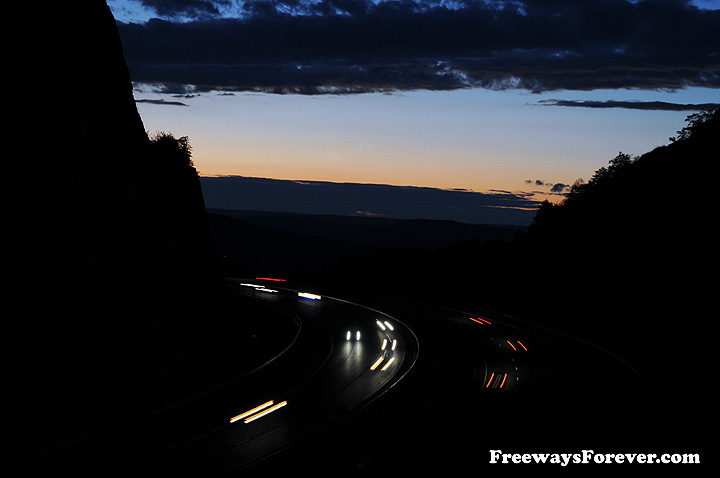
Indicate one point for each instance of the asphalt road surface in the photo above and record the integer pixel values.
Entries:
(377, 385)
(344, 356)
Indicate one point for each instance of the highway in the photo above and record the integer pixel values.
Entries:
(344, 356)
(370, 385)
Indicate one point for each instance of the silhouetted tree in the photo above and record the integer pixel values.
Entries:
(177, 151)
(695, 122)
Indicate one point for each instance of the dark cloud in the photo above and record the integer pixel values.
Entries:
(160, 102)
(185, 8)
(635, 105)
(559, 188)
(356, 46)
(555, 188)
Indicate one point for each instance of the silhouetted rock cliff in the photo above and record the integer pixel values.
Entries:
(112, 271)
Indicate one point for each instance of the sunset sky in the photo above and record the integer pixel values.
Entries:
(519, 96)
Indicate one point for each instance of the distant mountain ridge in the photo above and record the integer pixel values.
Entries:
(372, 200)
(281, 239)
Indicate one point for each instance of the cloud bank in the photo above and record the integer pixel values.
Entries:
(634, 105)
(353, 46)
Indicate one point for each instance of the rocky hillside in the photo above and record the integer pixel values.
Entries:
(114, 284)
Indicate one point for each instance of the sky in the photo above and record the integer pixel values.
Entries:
(512, 97)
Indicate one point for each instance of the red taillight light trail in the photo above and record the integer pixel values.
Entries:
(480, 321)
(496, 382)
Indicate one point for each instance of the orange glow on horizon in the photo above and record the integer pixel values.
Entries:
(424, 139)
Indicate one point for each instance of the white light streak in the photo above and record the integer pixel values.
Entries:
(380, 324)
(388, 325)
(308, 295)
(375, 365)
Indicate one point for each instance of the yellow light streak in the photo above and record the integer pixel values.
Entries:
(375, 365)
(388, 364)
(251, 411)
(265, 412)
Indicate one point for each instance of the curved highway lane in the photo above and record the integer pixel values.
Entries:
(344, 356)
(414, 389)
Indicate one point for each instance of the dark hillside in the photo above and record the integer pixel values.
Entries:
(304, 245)
(637, 260)
(114, 302)
(634, 245)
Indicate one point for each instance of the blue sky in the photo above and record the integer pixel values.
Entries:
(431, 100)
